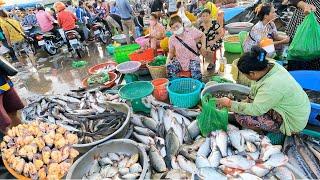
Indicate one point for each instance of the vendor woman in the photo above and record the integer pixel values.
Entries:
(276, 101)
(183, 52)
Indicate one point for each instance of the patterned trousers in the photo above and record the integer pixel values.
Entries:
(174, 67)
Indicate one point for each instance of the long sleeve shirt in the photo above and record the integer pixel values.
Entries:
(81, 15)
(278, 91)
(125, 9)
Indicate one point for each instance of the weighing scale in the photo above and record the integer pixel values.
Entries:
(134, 92)
(129, 69)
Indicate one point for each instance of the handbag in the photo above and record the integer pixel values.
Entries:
(187, 46)
(6, 68)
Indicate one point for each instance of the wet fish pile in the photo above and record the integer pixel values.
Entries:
(304, 154)
(176, 148)
(233, 95)
(39, 150)
(86, 113)
(115, 166)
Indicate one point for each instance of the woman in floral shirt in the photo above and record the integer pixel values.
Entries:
(183, 52)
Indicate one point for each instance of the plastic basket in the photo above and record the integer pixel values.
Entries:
(113, 76)
(276, 138)
(121, 54)
(144, 57)
(184, 92)
(157, 71)
(160, 91)
(310, 80)
(232, 46)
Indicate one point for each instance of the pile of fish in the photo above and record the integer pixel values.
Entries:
(115, 166)
(39, 150)
(304, 154)
(176, 149)
(86, 113)
(233, 95)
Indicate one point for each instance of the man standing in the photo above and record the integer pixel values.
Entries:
(126, 14)
(82, 17)
(172, 7)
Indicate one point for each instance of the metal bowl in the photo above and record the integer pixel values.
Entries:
(237, 27)
(120, 38)
(120, 133)
(84, 163)
(225, 87)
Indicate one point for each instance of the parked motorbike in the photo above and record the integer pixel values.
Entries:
(100, 32)
(73, 38)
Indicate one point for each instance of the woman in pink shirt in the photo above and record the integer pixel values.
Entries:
(44, 19)
(183, 52)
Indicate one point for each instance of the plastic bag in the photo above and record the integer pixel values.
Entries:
(306, 42)
(79, 64)
(211, 118)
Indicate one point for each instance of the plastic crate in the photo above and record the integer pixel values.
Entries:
(310, 80)
(121, 54)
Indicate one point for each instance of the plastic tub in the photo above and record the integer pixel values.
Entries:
(144, 57)
(211, 88)
(113, 76)
(232, 44)
(121, 54)
(110, 49)
(160, 89)
(84, 163)
(184, 92)
(236, 27)
(310, 80)
(97, 67)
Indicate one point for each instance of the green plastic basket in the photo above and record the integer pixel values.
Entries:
(121, 54)
(276, 138)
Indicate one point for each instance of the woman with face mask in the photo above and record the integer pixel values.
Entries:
(276, 101)
(214, 34)
(157, 31)
(183, 52)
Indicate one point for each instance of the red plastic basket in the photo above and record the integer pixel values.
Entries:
(113, 76)
(144, 57)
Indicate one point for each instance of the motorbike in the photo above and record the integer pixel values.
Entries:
(49, 42)
(100, 32)
(73, 38)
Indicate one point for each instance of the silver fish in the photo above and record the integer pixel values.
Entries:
(123, 171)
(250, 147)
(95, 168)
(202, 161)
(208, 173)
(174, 163)
(177, 128)
(109, 171)
(149, 123)
(186, 165)
(157, 162)
(144, 131)
(97, 108)
(136, 168)
(250, 135)
(105, 161)
(123, 162)
(143, 139)
(237, 161)
(172, 144)
(276, 160)
(68, 99)
(193, 129)
(283, 173)
(204, 149)
(191, 113)
(214, 158)
(167, 119)
(267, 151)
(136, 120)
(245, 176)
(161, 112)
(260, 170)
(154, 114)
(221, 139)
(253, 156)
(237, 140)
(114, 156)
(177, 174)
(131, 176)
(133, 160)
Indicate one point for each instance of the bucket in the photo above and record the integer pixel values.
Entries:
(160, 89)
(267, 44)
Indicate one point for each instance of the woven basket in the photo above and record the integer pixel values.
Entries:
(157, 71)
(276, 138)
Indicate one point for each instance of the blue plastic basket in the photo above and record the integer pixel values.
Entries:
(184, 92)
(310, 80)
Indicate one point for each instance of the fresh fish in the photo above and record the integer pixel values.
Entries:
(260, 170)
(180, 119)
(187, 139)
(229, 151)
(265, 142)
(208, 173)
(105, 161)
(221, 139)
(133, 160)
(161, 112)
(136, 120)
(114, 156)
(95, 168)
(174, 163)
(276, 160)
(314, 150)
(143, 139)
(124, 171)
(268, 150)
(230, 171)
(178, 130)
(253, 156)
(68, 128)
(131, 176)
(237, 140)
(193, 129)
(245, 176)
(135, 168)
(214, 158)
(187, 153)
(204, 149)
(149, 123)
(250, 147)
(144, 131)
(123, 162)
(157, 162)
(172, 144)
(283, 173)
(177, 174)
(108, 171)
(68, 99)
(250, 135)
(161, 130)
(154, 114)
(297, 160)
(95, 176)
(97, 108)
(167, 119)
(186, 165)
(191, 113)
(237, 161)
(202, 161)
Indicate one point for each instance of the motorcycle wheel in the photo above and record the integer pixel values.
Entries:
(50, 47)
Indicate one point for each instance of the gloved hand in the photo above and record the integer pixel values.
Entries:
(224, 102)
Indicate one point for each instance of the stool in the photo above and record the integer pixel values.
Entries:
(184, 74)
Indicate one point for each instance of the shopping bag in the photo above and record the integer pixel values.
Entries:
(306, 42)
(211, 118)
